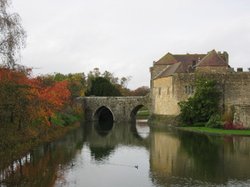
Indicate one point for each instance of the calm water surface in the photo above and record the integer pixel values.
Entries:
(133, 155)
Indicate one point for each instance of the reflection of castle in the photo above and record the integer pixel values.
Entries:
(175, 158)
(164, 153)
(173, 78)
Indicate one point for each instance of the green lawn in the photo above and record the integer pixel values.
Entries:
(141, 114)
(216, 131)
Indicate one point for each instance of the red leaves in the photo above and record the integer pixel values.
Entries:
(233, 126)
(31, 97)
(54, 97)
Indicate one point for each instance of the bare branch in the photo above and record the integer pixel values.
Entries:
(12, 35)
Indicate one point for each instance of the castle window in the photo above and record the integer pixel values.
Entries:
(159, 91)
(189, 89)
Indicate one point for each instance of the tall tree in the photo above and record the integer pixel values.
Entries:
(102, 87)
(12, 35)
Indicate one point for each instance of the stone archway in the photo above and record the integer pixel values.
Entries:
(103, 113)
(119, 107)
(134, 112)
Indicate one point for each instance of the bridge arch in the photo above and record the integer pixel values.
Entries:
(117, 108)
(134, 112)
(103, 113)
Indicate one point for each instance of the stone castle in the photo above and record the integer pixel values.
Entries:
(173, 79)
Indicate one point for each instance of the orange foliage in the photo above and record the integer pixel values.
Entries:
(30, 98)
(54, 97)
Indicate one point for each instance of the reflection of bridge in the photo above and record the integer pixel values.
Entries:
(118, 108)
(120, 134)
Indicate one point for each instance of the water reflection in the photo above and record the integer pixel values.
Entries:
(142, 128)
(163, 158)
(40, 167)
(103, 127)
(186, 159)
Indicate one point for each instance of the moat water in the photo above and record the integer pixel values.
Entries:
(133, 156)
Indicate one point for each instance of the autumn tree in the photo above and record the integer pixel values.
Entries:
(52, 99)
(76, 82)
(16, 95)
(26, 99)
(141, 91)
(12, 35)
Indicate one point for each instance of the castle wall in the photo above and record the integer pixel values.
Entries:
(242, 115)
(212, 69)
(235, 88)
(169, 91)
(164, 97)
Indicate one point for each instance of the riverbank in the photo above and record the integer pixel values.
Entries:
(216, 131)
(142, 114)
(15, 143)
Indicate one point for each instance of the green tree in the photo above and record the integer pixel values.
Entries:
(203, 104)
(119, 83)
(77, 84)
(102, 87)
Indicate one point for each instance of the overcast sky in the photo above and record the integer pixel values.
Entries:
(126, 36)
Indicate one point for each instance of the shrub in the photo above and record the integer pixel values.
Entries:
(57, 120)
(202, 105)
(69, 119)
(233, 126)
(214, 121)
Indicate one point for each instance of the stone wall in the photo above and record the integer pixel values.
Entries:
(168, 91)
(212, 69)
(164, 100)
(242, 115)
(237, 89)
(122, 108)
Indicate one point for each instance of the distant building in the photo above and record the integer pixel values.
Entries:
(173, 80)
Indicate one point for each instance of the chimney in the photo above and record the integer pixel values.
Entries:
(239, 69)
(225, 56)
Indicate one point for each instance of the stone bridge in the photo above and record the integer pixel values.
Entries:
(117, 109)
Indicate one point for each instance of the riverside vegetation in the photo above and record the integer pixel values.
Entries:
(40, 109)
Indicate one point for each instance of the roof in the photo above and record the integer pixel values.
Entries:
(189, 57)
(167, 59)
(169, 70)
(212, 59)
(186, 63)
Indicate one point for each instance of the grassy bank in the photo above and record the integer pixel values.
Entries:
(142, 114)
(216, 131)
